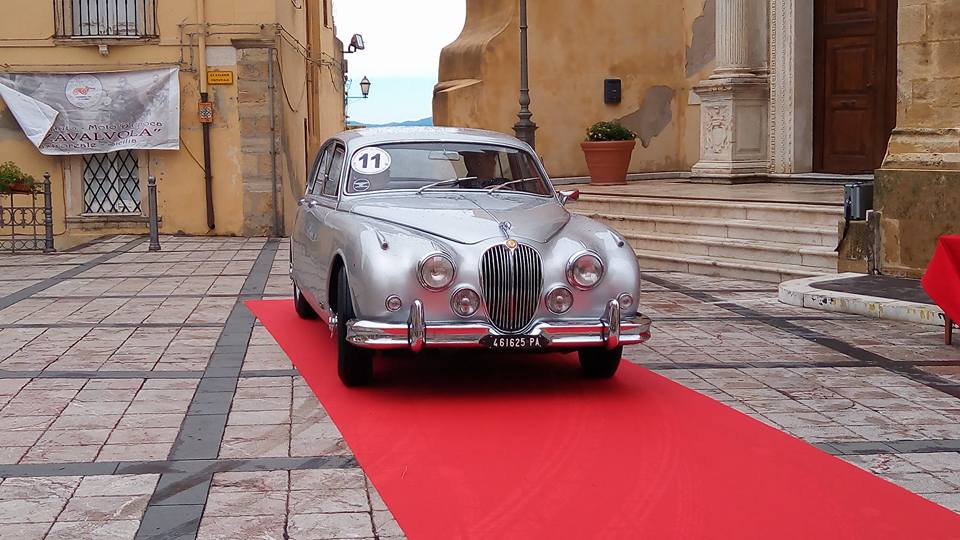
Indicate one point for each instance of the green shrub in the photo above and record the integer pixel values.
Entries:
(609, 131)
(11, 175)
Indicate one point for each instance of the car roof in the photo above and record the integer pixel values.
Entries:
(358, 138)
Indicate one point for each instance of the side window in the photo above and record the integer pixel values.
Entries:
(332, 185)
(316, 182)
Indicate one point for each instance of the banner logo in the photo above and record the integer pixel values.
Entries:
(84, 91)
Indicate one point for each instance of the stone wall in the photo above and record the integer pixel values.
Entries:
(917, 207)
(253, 99)
(659, 50)
(918, 187)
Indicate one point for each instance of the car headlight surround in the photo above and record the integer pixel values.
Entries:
(585, 270)
(465, 302)
(436, 271)
(559, 300)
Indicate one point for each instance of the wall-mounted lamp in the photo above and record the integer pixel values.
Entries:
(356, 44)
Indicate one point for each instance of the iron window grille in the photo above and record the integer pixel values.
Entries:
(106, 18)
(111, 183)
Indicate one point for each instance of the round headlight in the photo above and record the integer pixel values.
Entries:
(584, 271)
(465, 302)
(436, 272)
(559, 300)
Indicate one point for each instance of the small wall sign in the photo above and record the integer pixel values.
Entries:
(219, 77)
(205, 112)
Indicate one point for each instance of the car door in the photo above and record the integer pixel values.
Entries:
(307, 229)
(325, 246)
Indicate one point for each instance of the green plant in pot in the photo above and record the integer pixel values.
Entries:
(608, 149)
(14, 180)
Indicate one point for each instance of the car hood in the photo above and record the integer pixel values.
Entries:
(468, 218)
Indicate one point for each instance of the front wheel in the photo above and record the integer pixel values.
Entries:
(600, 363)
(304, 309)
(354, 364)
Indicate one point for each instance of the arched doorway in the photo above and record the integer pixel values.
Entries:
(855, 77)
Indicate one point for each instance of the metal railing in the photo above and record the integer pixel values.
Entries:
(106, 18)
(26, 220)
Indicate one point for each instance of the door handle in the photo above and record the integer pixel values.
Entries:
(848, 104)
(312, 204)
(301, 202)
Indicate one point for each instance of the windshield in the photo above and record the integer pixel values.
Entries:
(444, 166)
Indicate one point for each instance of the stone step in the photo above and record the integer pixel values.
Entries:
(769, 212)
(723, 267)
(721, 228)
(817, 259)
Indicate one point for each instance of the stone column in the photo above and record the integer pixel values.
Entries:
(733, 51)
(734, 99)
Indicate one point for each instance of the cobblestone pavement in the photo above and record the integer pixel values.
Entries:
(140, 399)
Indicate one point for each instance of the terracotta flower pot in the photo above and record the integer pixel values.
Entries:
(20, 188)
(608, 161)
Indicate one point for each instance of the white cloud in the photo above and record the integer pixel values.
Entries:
(403, 37)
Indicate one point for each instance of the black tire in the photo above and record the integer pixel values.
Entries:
(600, 363)
(354, 364)
(304, 309)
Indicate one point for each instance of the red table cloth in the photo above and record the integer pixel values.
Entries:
(942, 279)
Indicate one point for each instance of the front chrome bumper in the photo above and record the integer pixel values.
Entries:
(610, 332)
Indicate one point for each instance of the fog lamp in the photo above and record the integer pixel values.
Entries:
(625, 300)
(436, 272)
(394, 303)
(559, 300)
(465, 302)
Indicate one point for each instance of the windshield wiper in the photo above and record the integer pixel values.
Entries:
(510, 183)
(450, 181)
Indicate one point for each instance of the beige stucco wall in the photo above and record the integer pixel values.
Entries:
(918, 187)
(659, 50)
(26, 45)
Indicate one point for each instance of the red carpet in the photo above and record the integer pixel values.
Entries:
(481, 447)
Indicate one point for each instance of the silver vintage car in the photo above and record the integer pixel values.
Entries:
(420, 238)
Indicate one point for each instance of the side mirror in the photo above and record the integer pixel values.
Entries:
(356, 43)
(566, 196)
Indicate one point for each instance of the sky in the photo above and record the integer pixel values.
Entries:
(403, 42)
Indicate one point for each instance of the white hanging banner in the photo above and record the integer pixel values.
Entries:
(92, 113)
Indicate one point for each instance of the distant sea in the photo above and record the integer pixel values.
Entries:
(408, 123)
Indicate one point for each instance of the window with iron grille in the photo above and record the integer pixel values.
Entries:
(111, 183)
(106, 18)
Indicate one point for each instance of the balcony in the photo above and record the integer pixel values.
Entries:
(105, 19)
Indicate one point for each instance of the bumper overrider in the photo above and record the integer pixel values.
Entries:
(610, 332)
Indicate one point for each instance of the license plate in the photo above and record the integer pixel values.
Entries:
(515, 343)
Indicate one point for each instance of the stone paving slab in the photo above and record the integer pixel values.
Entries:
(140, 399)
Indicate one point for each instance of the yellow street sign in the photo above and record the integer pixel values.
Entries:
(220, 77)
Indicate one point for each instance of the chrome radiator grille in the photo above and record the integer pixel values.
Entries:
(511, 280)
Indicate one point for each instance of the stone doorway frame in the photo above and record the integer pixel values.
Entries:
(791, 86)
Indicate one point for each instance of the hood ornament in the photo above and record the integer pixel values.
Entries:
(505, 227)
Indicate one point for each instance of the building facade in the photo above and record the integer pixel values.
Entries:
(737, 90)
(280, 94)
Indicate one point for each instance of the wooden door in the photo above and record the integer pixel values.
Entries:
(855, 77)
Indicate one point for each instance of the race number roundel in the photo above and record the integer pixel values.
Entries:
(371, 160)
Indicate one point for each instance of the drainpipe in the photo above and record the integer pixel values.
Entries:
(277, 226)
(205, 96)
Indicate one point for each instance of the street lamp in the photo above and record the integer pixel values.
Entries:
(365, 85)
(525, 128)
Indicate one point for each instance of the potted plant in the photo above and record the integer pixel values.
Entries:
(608, 149)
(14, 180)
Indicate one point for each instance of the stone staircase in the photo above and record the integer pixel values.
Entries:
(759, 240)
